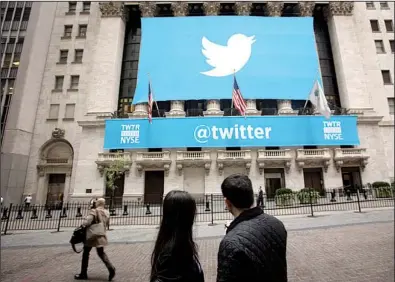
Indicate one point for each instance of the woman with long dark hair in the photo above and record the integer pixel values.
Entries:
(175, 258)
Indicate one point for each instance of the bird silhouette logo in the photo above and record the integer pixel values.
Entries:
(227, 60)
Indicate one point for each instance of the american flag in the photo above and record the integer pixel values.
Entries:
(238, 100)
(150, 102)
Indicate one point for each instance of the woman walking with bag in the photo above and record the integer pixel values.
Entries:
(175, 258)
(96, 224)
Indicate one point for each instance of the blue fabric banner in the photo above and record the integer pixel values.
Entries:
(254, 131)
(189, 58)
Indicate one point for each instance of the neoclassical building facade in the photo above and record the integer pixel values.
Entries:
(80, 68)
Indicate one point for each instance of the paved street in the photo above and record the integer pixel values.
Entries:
(358, 252)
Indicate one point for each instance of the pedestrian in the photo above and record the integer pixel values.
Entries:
(98, 215)
(28, 200)
(260, 197)
(174, 258)
(254, 247)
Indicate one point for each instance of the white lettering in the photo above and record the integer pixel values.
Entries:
(331, 136)
(226, 133)
(130, 140)
(258, 132)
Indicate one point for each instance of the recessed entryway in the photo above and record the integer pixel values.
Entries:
(154, 186)
(313, 179)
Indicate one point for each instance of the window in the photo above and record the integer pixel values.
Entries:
(74, 81)
(16, 60)
(384, 5)
(82, 30)
(374, 24)
(391, 105)
(59, 82)
(7, 60)
(379, 46)
(78, 53)
(53, 111)
(386, 76)
(370, 5)
(69, 111)
(389, 26)
(63, 56)
(392, 46)
(86, 6)
(67, 31)
(72, 7)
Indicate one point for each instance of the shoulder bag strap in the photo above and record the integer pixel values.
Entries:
(75, 250)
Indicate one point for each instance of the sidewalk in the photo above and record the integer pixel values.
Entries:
(134, 234)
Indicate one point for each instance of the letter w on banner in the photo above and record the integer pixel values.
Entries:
(237, 99)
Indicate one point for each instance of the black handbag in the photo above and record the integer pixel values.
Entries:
(78, 237)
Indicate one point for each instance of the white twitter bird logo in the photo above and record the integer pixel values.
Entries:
(227, 60)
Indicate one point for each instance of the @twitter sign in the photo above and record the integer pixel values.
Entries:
(191, 58)
(222, 132)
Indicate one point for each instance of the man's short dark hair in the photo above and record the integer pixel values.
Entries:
(237, 188)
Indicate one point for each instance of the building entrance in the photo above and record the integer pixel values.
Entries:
(154, 187)
(274, 180)
(117, 193)
(313, 179)
(351, 177)
(55, 194)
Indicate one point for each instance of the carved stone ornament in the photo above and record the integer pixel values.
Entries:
(179, 168)
(306, 9)
(220, 168)
(148, 9)
(180, 9)
(112, 9)
(211, 8)
(243, 8)
(207, 167)
(58, 133)
(339, 9)
(275, 9)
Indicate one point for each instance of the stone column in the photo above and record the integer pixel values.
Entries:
(211, 8)
(285, 107)
(180, 9)
(348, 60)
(243, 8)
(66, 190)
(213, 108)
(275, 9)
(148, 9)
(41, 189)
(306, 9)
(106, 70)
(140, 111)
(176, 109)
(251, 108)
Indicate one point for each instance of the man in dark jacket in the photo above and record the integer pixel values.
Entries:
(254, 247)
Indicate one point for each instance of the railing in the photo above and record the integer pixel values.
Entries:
(57, 161)
(350, 152)
(210, 208)
(239, 154)
(262, 154)
(193, 155)
(303, 153)
(141, 156)
(114, 156)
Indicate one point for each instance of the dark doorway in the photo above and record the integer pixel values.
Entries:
(154, 186)
(274, 180)
(117, 193)
(56, 183)
(351, 177)
(313, 179)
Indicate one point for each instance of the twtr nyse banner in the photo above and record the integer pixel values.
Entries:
(222, 132)
(190, 58)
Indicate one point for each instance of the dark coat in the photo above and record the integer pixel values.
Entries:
(253, 249)
(170, 271)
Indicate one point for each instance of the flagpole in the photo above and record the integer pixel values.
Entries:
(156, 104)
(231, 105)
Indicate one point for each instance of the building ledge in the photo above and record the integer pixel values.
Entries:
(385, 123)
(193, 159)
(105, 159)
(91, 123)
(274, 159)
(154, 160)
(313, 157)
(233, 158)
(350, 157)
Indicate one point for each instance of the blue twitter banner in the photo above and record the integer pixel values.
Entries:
(257, 131)
(190, 58)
